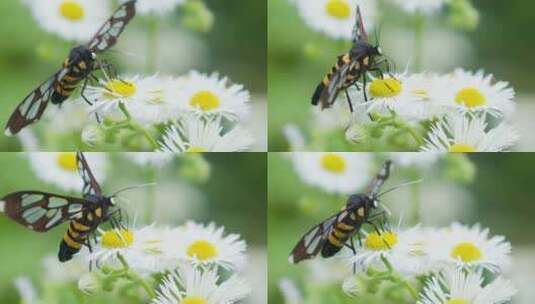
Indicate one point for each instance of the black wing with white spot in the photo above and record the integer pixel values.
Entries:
(41, 211)
(312, 242)
(91, 186)
(359, 32)
(329, 94)
(379, 180)
(108, 34)
(33, 106)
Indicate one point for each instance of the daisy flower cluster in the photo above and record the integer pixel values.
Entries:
(462, 111)
(192, 263)
(459, 263)
(455, 264)
(199, 263)
(336, 18)
(79, 20)
(193, 113)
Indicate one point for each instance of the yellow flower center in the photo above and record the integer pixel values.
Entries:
(383, 241)
(113, 239)
(194, 300)
(120, 87)
(202, 250)
(333, 163)
(205, 100)
(196, 150)
(462, 148)
(467, 252)
(67, 161)
(339, 9)
(470, 97)
(71, 10)
(457, 301)
(388, 87)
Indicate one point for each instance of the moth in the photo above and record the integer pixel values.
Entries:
(332, 234)
(350, 68)
(42, 211)
(77, 67)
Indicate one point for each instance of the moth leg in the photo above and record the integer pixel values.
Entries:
(349, 101)
(84, 97)
(354, 253)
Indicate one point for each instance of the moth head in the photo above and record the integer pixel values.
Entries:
(378, 50)
(375, 203)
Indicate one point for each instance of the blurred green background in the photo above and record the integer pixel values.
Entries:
(234, 196)
(235, 47)
(500, 197)
(298, 57)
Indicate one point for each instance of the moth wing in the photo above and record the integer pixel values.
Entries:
(91, 185)
(329, 94)
(41, 211)
(378, 181)
(359, 32)
(312, 242)
(109, 33)
(33, 106)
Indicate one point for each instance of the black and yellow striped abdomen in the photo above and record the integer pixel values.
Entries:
(351, 77)
(73, 240)
(342, 231)
(76, 72)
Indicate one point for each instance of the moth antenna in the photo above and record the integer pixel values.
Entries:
(132, 187)
(399, 186)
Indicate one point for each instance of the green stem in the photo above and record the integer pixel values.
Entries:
(396, 278)
(129, 123)
(416, 204)
(152, 45)
(151, 195)
(418, 50)
(134, 277)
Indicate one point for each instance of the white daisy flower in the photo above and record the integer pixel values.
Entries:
(455, 286)
(339, 115)
(71, 117)
(406, 250)
(157, 7)
(60, 168)
(154, 159)
(190, 285)
(70, 19)
(420, 6)
(336, 18)
(207, 95)
(477, 92)
(342, 173)
(194, 134)
(462, 133)
(208, 245)
(146, 99)
(26, 289)
(294, 137)
(64, 273)
(471, 247)
(415, 159)
(142, 249)
(290, 292)
(413, 97)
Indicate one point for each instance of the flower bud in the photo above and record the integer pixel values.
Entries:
(93, 135)
(197, 16)
(88, 283)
